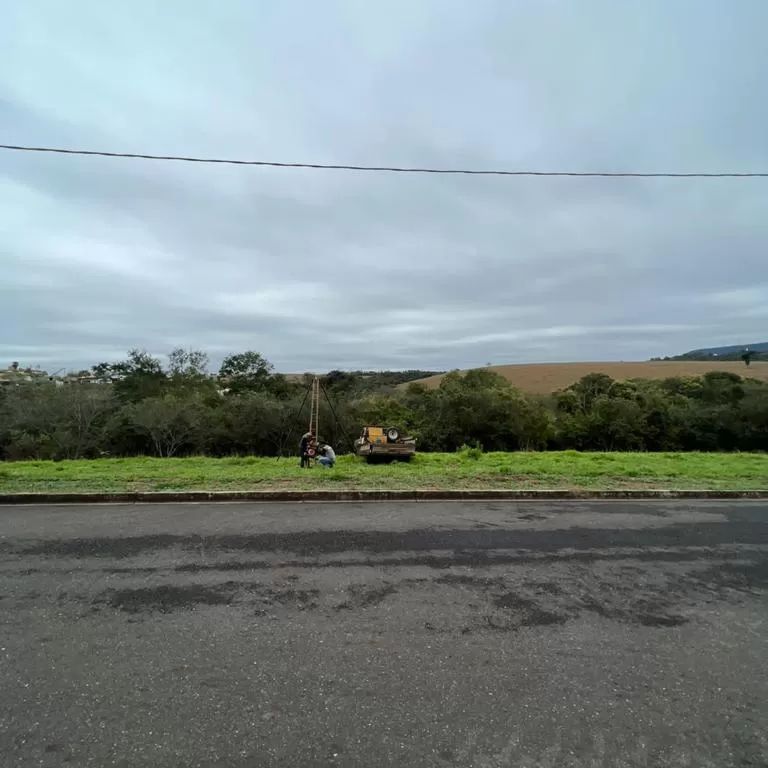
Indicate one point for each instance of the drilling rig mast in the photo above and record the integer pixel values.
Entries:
(314, 407)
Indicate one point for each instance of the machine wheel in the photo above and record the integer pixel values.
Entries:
(393, 434)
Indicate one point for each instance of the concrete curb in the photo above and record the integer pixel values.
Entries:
(364, 495)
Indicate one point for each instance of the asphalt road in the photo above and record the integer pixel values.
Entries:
(482, 635)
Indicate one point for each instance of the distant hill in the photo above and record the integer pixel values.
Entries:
(544, 378)
(730, 352)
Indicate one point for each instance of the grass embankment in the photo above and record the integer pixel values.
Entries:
(568, 469)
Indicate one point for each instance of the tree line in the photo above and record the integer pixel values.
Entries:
(140, 406)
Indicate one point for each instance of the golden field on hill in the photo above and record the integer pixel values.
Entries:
(543, 378)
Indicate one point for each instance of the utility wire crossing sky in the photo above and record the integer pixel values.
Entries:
(393, 169)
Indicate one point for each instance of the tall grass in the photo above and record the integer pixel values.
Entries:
(468, 468)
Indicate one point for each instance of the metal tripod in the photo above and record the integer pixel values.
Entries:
(313, 393)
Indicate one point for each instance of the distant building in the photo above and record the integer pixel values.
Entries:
(85, 377)
(15, 375)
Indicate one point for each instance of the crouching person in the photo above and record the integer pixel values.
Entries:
(328, 459)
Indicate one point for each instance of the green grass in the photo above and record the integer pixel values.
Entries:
(567, 469)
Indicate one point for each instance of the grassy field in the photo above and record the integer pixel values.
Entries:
(544, 378)
(568, 469)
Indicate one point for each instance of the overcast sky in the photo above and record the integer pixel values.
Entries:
(331, 269)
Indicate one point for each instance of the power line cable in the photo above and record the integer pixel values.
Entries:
(387, 169)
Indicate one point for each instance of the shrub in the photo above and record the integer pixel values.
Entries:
(472, 452)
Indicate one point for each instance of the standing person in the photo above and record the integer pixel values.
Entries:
(328, 459)
(306, 441)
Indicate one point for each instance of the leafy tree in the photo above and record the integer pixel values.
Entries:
(250, 423)
(750, 420)
(341, 383)
(722, 388)
(64, 421)
(589, 388)
(188, 373)
(384, 411)
(281, 387)
(534, 425)
(170, 422)
(246, 372)
(78, 415)
(187, 364)
(478, 408)
(137, 377)
(616, 424)
(682, 388)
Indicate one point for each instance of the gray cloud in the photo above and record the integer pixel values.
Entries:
(326, 269)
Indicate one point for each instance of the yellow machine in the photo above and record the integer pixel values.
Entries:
(385, 444)
(376, 435)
